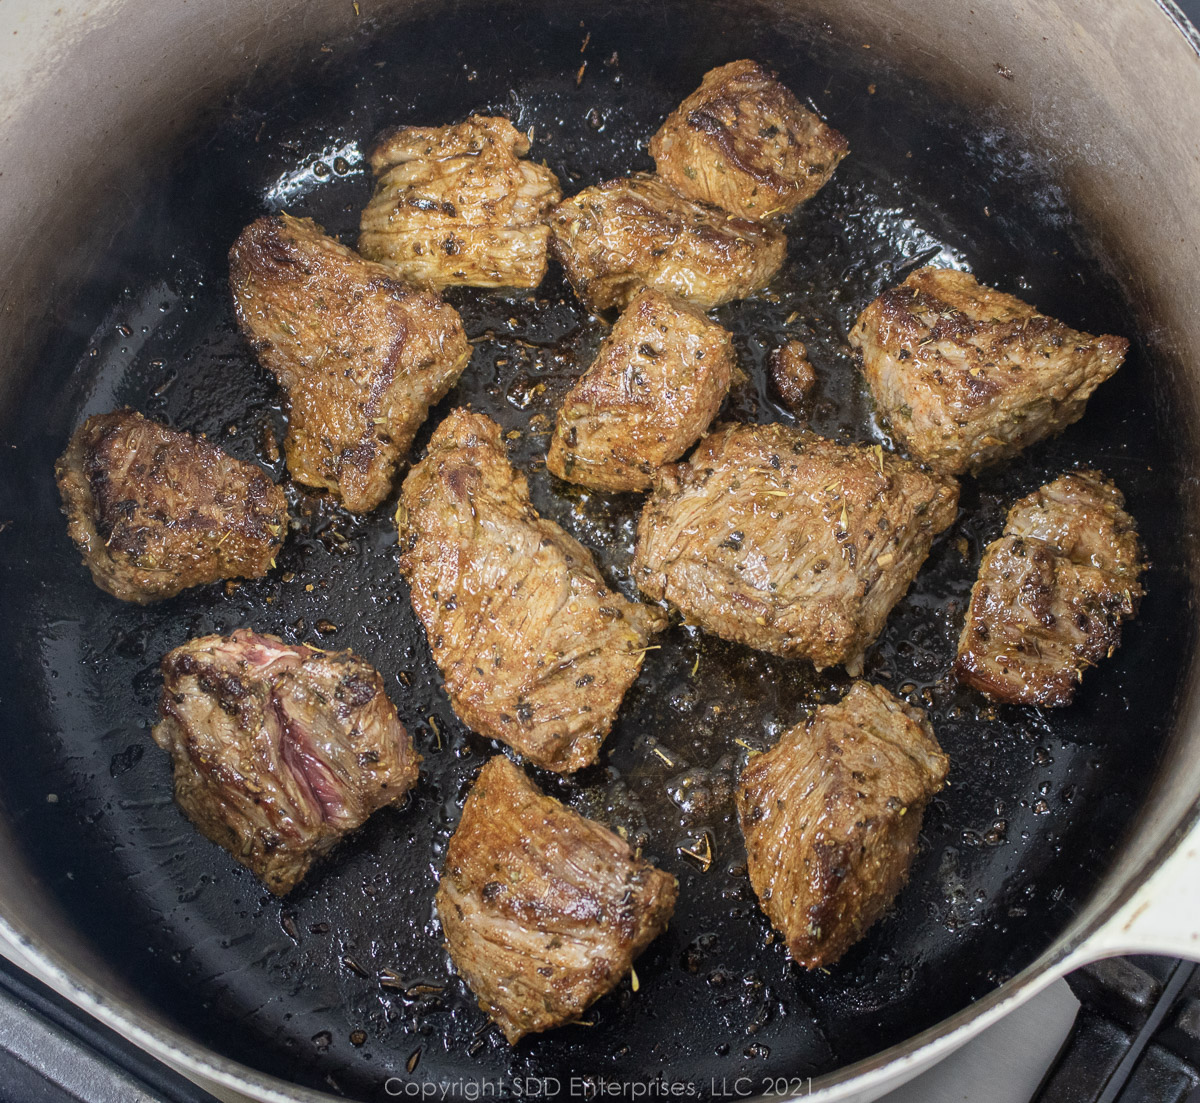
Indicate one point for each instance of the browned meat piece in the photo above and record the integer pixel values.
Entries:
(792, 374)
(535, 649)
(279, 750)
(155, 510)
(543, 910)
(616, 238)
(1052, 592)
(1082, 516)
(743, 142)
(782, 540)
(457, 205)
(831, 816)
(361, 356)
(657, 382)
(967, 376)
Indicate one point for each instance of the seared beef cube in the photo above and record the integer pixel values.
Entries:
(1052, 592)
(155, 510)
(361, 356)
(792, 374)
(279, 750)
(458, 205)
(656, 384)
(743, 142)
(967, 376)
(831, 816)
(782, 540)
(535, 649)
(1036, 621)
(543, 910)
(616, 238)
(1082, 516)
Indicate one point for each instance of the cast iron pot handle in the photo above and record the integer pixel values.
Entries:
(1161, 917)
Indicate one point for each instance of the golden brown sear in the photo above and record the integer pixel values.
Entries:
(459, 205)
(535, 649)
(782, 540)
(279, 750)
(792, 374)
(657, 382)
(543, 911)
(616, 238)
(831, 816)
(361, 356)
(1052, 593)
(155, 510)
(966, 375)
(743, 142)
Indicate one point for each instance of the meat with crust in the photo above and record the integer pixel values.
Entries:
(967, 376)
(543, 911)
(658, 381)
(619, 237)
(1052, 593)
(361, 356)
(155, 510)
(792, 374)
(535, 649)
(279, 750)
(459, 205)
(831, 816)
(782, 540)
(743, 142)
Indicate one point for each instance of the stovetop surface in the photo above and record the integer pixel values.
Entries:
(50, 1052)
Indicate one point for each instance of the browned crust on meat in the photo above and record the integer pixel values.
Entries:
(831, 816)
(1082, 516)
(155, 510)
(621, 236)
(279, 750)
(1052, 593)
(967, 376)
(792, 374)
(657, 382)
(543, 911)
(782, 540)
(361, 356)
(534, 647)
(743, 142)
(459, 205)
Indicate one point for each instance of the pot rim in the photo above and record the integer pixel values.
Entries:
(919, 1051)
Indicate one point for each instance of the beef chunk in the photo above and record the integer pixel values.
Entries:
(792, 374)
(658, 381)
(744, 143)
(831, 816)
(458, 205)
(279, 750)
(535, 649)
(616, 238)
(361, 356)
(543, 910)
(967, 376)
(155, 510)
(1052, 592)
(782, 540)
